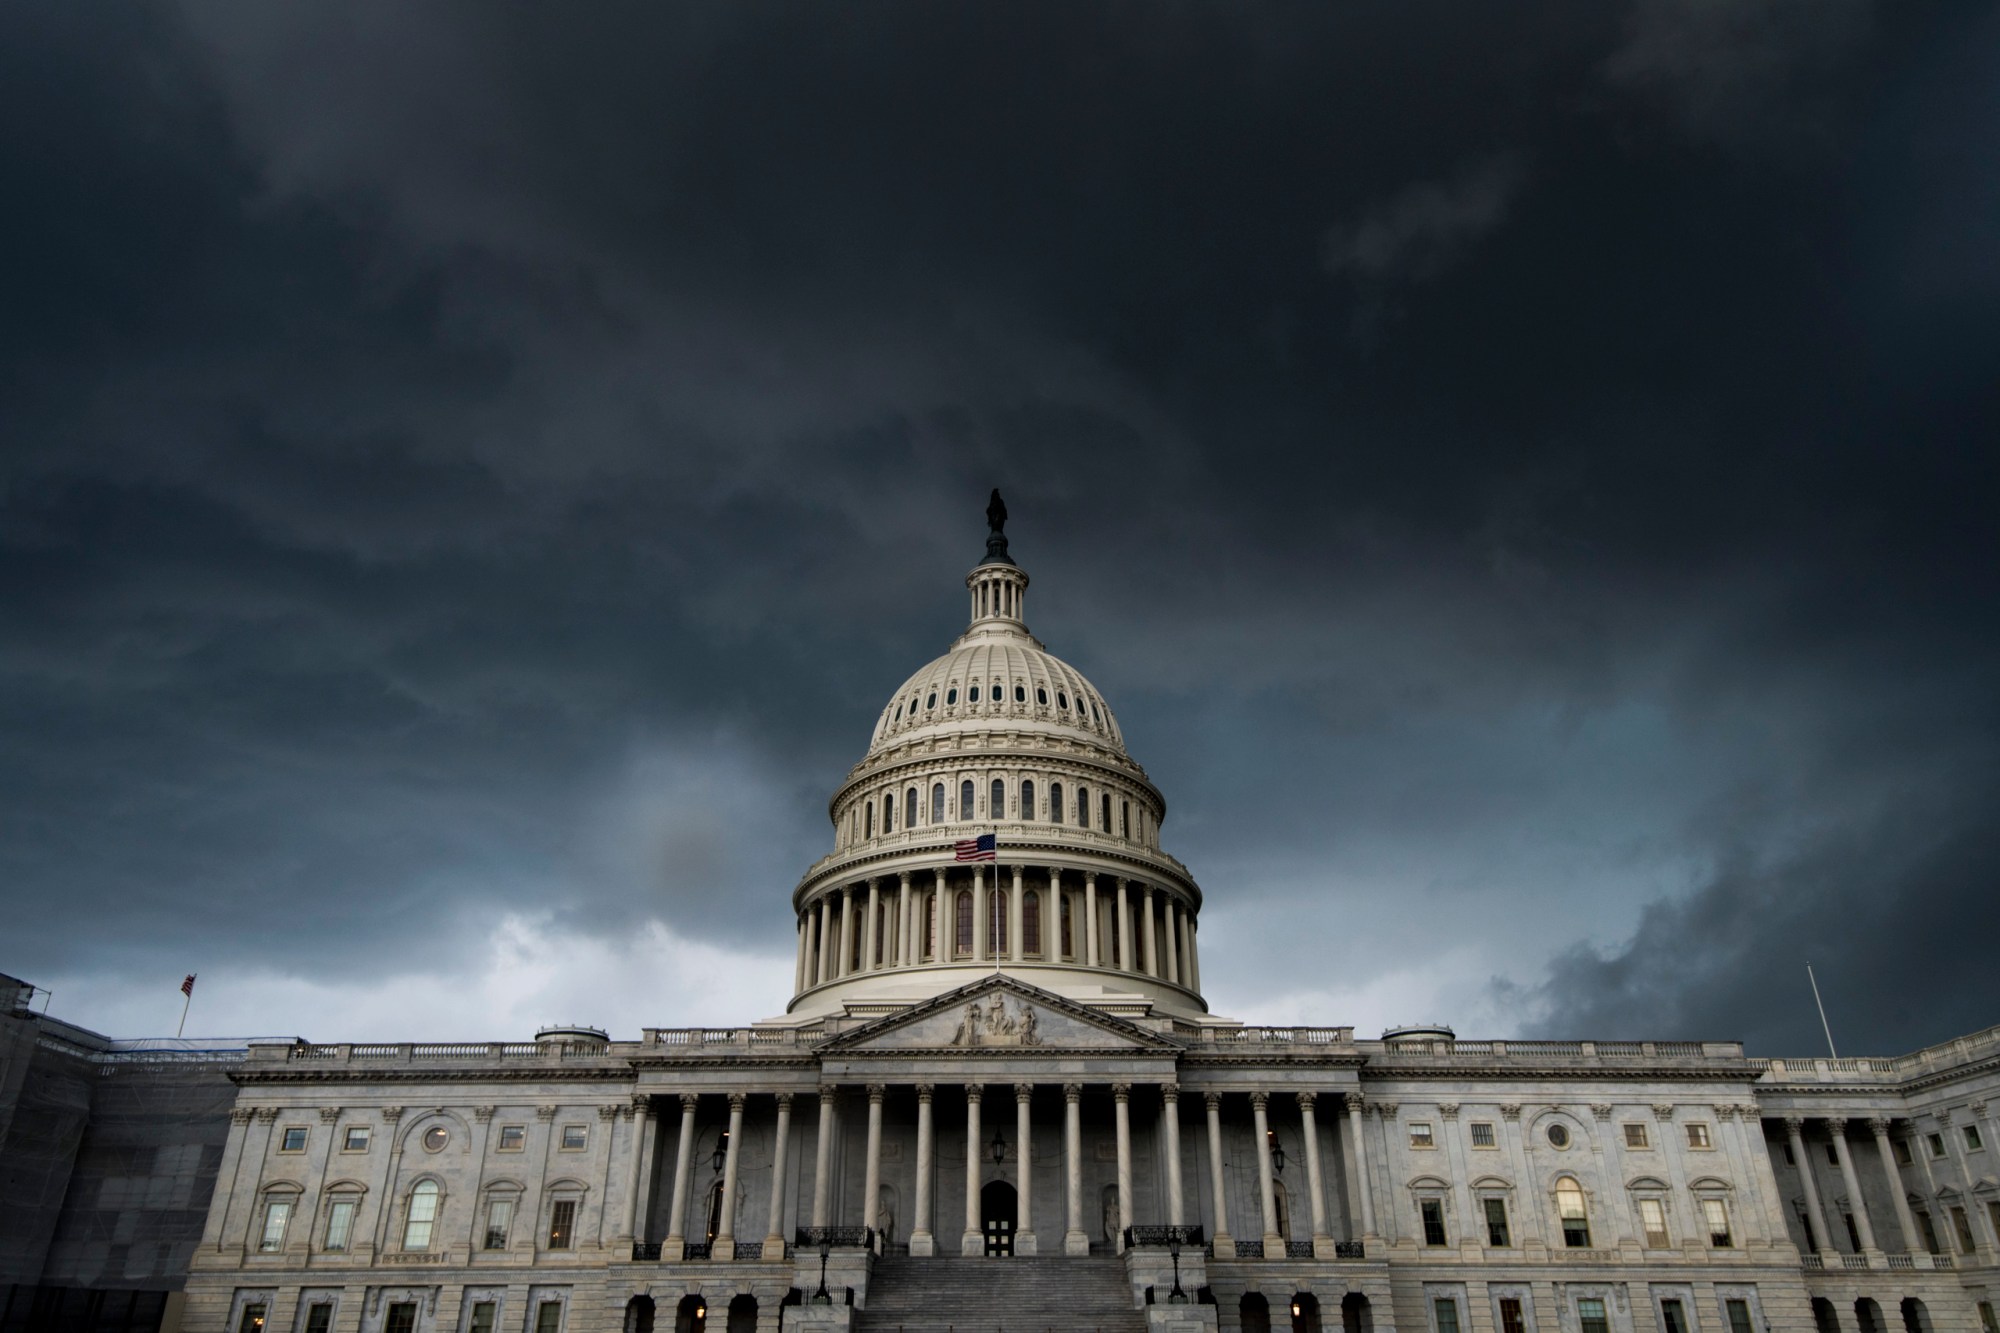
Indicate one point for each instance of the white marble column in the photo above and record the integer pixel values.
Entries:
(823, 965)
(846, 961)
(725, 1232)
(1225, 1245)
(774, 1236)
(1052, 920)
(939, 931)
(906, 948)
(981, 944)
(1815, 1218)
(1170, 932)
(871, 926)
(1121, 1098)
(1193, 957)
(1091, 957)
(823, 1154)
(1124, 930)
(971, 1242)
(1354, 1104)
(1183, 925)
(676, 1241)
(1074, 1239)
(1024, 1225)
(799, 958)
(1838, 1129)
(1309, 1126)
(922, 1243)
(871, 1179)
(1912, 1242)
(1015, 913)
(1170, 1126)
(642, 1126)
(1274, 1244)
(1149, 939)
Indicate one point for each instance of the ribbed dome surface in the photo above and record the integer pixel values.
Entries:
(1015, 680)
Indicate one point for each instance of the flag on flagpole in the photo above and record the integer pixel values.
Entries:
(975, 849)
(187, 987)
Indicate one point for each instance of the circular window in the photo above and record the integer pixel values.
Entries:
(951, 695)
(1559, 1136)
(1020, 694)
(435, 1138)
(932, 701)
(1062, 700)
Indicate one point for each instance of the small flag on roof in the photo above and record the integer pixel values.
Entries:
(187, 987)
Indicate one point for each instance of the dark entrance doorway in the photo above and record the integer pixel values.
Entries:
(998, 1211)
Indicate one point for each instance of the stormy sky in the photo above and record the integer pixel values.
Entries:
(1524, 475)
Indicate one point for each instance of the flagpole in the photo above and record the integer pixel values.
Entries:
(184, 1013)
(1814, 981)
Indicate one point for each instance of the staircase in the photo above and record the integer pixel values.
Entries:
(1018, 1295)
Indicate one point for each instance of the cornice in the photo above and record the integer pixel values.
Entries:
(479, 1074)
(1729, 1073)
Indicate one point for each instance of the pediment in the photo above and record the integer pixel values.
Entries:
(999, 1013)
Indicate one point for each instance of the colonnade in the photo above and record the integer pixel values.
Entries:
(886, 922)
(1913, 1240)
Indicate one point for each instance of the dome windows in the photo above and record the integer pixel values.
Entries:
(1062, 700)
(899, 713)
(975, 694)
(965, 799)
(951, 696)
(1055, 803)
(1042, 696)
(932, 701)
(1020, 694)
(996, 803)
(910, 807)
(937, 803)
(1027, 800)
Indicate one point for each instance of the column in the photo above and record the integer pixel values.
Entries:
(1171, 929)
(1052, 918)
(845, 963)
(676, 1243)
(1170, 1125)
(725, 1231)
(871, 926)
(905, 933)
(1193, 957)
(1361, 1163)
(642, 1125)
(938, 926)
(1090, 954)
(1124, 926)
(1838, 1129)
(1074, 1239)
(799, 958)
(1309, 1126)
(1121, 1097)
(922, 1243)
(979, 911)
(871, 1180)
(1149, 940)
(1912, 1242)
(1274, 1244)
(1014, 916)
(823, 1153)
(1184, 924)
(971, 1242)
(1024, 1226)
(1225, 1247)
(774, 1237)
(1815, 1219)
(824, 973)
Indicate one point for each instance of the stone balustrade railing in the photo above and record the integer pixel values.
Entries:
(940, 838)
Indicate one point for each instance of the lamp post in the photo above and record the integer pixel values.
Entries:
(1176, 1296)
(998, 1148)
(821, 1297)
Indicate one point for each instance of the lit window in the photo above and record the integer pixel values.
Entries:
(1717, 1216)
(575, 1138)
(1446, 1310)
(1432, 1211)
(319, 1317)
(562, 1224)
(1590, 1315)
(277, 1215)
(1055, 803)
(253, 1320)
(513, 1138)
(1420, 1134)
(1027, 800)
(937, 803)
(1510, 1316)
(499, 1221)
(1635, 1136)
(423, 1215)
(548, 1317)
(996, 800)
(1936, 1142)
(1482, 1134)
(1653, 1221)
(1575, 1221)
(1972, 1143)
(1698, 1135)
(340, 1224)
(1739, 1316)
(294, 1139)
(1496, 1224)
(1673, 1316)
(356, 1140)
(965, 799)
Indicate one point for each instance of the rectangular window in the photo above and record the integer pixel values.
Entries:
(402, 1318)
(277, 1213)
(1930, 1232)
(513, 1138)
(562, 1224)
(1936, 1142)
(575, 1138)
(482, 1318)
(356, 1139)
(319, 1318)
(339, 1224)
(1446, 1310)
(253, 1320)
(1635, 1136)
(499, 1221)
(1433, 1214)
(293, 1139)
(1482, 1134)
(1510, 1316)
(1902, 1147)
(1697, 1135)
(1986, 1320)
(1993, 1217)
(1496, 1224)
(1962, 1224)
(1832, 1155)
(1972, 1143)
(1590, 1316)
(1653, 1221)
(1853, 1235)
(1739, 1316)
(1673, 1316)
(1717, 1216)
(1420, 1134)
(548, 1317)
(1806, 1232)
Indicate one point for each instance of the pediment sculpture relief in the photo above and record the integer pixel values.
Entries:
(997, 1023)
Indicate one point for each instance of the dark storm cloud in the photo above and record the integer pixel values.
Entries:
(466, 459)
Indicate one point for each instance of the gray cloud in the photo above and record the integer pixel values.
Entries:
(1425, 228)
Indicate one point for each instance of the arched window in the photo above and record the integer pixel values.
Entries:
(871, 819)
(965, 799)
(1027, 800)
(1062, 700)
(1031, 922)
(1575, 1219)
(964, 923)
(1104, 813)
(1083, 807)
(1020, 694)
(937, 803)
(1124, 818)
(881, 930)
(888, 812)
(931, 702)
(997, 800)
(951, 695)
(1042, 696)
(1055, 802)
(930, 925)
(421, 1217)
(1068, 943)
(975, 694)
(999, 922)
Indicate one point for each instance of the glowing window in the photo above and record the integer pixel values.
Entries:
(1575, 1220)
(422, 1216)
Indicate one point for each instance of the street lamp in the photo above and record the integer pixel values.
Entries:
(1176, 1296)
(998, 1148)
(822, 1296)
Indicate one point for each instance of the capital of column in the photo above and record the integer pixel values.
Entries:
(1353, 1101)
(973, 1092)
(1214, 1100)
(903, 879)
(1259, 1100)
(1308, 1101)
(1170, 1093)
(546, 1113)
(608, 1112)
(736, 1100)
(483, 1114)
(827, 1092)
(1072, 1092)
(1978, 1108)
(242, 1115)
(1837, 1126)
(267, 1113)
(1879, 1127)
(784, 1101)
(329, 1114)
(1510, 1111)
(1795, 1125)
(1121, 1092)
(1602, 1111)
(690, 1100)
(392, 1113)
(1024, 1092)
(1663, 1111)
(925, 1091)
(1725, 1111)
(876, 1092)
(1449, 1110)
(1386, 1110)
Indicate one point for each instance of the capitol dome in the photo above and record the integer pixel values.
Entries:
(996, 822)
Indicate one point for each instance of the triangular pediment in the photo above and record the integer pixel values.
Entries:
(999, 1013)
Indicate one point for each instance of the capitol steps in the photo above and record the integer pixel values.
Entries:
(1019, 1295)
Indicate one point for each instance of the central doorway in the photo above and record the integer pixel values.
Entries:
(998, 1211)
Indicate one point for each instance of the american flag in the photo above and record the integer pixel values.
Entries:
(187, 987)
(974, 849)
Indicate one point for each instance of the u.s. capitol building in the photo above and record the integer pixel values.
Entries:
(997, 1098)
